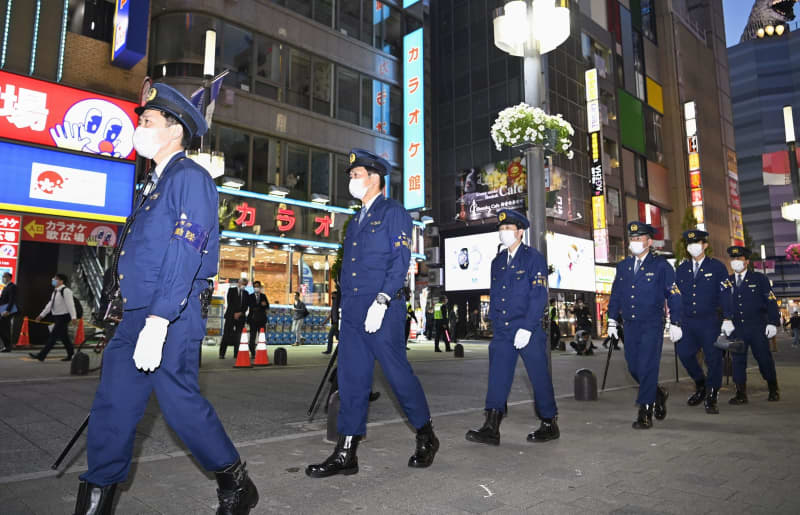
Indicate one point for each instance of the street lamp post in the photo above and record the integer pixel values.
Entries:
(791, 210)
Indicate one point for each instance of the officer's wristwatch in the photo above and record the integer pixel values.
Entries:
(384, 299)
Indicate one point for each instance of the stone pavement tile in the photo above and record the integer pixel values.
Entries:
(633, 509)
(17, 507)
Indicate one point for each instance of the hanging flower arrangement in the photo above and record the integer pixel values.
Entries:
(525, 124)
(793, 252)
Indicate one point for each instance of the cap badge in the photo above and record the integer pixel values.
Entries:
(634, 227)
(152, 94)
(691, 235)
(352, 157)
(502, 216)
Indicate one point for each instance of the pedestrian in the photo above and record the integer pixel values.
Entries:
(410, 315)
(375, 264)
(167, 254)
(702, 281)
(8, 308)
(555, 331)
(257, 309)
(454, 320)
(440, 314)
(429, 322)
(648, 280)
(755, 317)
(793, 322)
(583, 320)
(299, 314)
(517, 301)
(60, 309)
(583, 345)
(237, 300)
(336, 298)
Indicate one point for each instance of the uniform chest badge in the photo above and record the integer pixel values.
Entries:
(155, 196)
(650, 274)
(708, 275)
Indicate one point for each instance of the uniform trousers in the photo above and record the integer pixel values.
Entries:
(754, 339)
(701, 333)
(643, 342)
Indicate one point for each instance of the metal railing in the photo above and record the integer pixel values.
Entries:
(91, 272)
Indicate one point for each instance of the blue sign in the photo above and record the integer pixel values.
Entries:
(409, 3)
(39, 180)
(413, 122)
(129, 45)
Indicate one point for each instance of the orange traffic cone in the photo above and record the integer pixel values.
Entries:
(262, 357)
(24, 335)
(80, 337)
(243, 355)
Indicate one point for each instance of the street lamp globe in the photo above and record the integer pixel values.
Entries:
(520, 31)
(791, 211)
(511, 27)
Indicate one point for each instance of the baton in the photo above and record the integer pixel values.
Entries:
(322, 383)
(611, 346)
(70, 444)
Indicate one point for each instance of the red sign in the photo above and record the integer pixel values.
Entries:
(733, 194)
(70, 232)
(45, 113)
(9, 243)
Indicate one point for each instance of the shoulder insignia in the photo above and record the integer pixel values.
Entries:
(674, 290)
(771, 296)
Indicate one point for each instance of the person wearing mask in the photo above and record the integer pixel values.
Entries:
(517, 301)
(702, 280)
(755, 321)
(555, 331)
(237, 300)
(336, 298)
(410, 315)
(442, 322)
(166, 256)
(583, 320)
(257, 310)
(375, 263)
(61, 310)
(642, 284)
(794, 324)
(299, 314)
(8, 307)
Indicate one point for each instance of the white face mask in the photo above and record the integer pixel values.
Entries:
(636, 247)
(508, 237)
(695, 249)
(357, 188)
(257, 290)
(737, 265)
(146, 141)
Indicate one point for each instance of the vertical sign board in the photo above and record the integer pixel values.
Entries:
(129, 44)
(414, 122)
(9, 243)
(693, 152)
(734, 201)
(599, 224)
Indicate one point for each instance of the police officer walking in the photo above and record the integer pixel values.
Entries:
(702, 281)
(375, 263)
(166, 256)
(518, 298)
(755, 320)
(642, 284)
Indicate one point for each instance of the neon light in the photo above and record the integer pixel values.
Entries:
(35, 37)
(62, 212)
(283, 200)
(9, 3)
(62, 45)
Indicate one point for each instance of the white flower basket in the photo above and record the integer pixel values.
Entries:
(523, 124)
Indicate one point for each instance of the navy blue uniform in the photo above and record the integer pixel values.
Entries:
(704, 306)
(638, 300)
(754, 306)
(376, 259)
(171, 249)
(518, 298)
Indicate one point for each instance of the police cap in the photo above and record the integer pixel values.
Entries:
(695, 235)
(738, 251)
(507, 216)
(360, 157)
(169, 100)
(640, 229)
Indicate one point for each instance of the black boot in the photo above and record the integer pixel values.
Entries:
(698, 395)
(427, 445)
(548, 430)
(94, 500)
(490, 432)
(660, 408)
(774, 394)
(237, 494)
(645, 418)
(741, 395)
(342, 461)
(711, 401)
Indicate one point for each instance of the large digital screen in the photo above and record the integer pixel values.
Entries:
(573, 262)
(468, 261)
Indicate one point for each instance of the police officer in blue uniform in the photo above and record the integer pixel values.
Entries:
(755, 320)
(374, 267)
(166, 256)
(702, 281)
(642, 283)
(518, 299)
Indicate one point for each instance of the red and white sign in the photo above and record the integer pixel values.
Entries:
(9, 243)
(73, 185)
(49, 114)
(70, 232)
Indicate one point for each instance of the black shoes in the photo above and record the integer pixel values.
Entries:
(548, 430)
(7, 349)
(94, 500)
(374, 396)
(489, 433)
(699, 394)
(68, 358)
(342, 461)
(437, 350)
(237, 494)
(427, 446)
(35, 356)
(645, 418)
(741, 395)
(711, 401)
(660, 408)
(774, 394)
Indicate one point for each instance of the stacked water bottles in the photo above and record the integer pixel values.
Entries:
(279, 325)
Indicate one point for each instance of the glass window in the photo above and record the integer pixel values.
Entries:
(296, 177)
(649, 19)
(341, 196)
(237, 56)
(388, 28)
(323, 12)
(316, 278)
(236, 146)
(347, 95)
(268, 62)
(234, 262)
(640, 169)
(299, 90)
(181, 37)
(270, 266)
(320, 172)
(395, 112)
(323, 87)
(654, 141)
(370, 12)
(91, 19)
(368, 98)
(266, 157)
(302, 7)
(349, 17)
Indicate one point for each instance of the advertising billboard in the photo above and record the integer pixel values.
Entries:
(9, 243)
(39, 180)
(71, 232)
(468, 261)
(573, 262)
(604, 279)
(482, 192)
(413, 121)
(129, 45)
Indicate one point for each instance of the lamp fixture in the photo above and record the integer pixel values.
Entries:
(791, 211)
(278, 191)
(232, 182)
(319, 198)
(516, 28)
(210, 53)
(427, 220)
(788, 124)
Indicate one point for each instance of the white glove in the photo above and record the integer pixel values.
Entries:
(374, 317)
(771, 331)
(522, 338)
(612, 329)
(675, 333)
(727, 327)
(147, 355)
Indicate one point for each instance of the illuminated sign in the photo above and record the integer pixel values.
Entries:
(71, 232)
(693, 152)
(599, 212)
(694, 179)
(694, 161)
(600, 226)
(9, 243)
(482, 192)
(573, 262)
(380, 107)
(604, 279)
(38, 180)
(49, 114)
(592, 100)
(129, 45)
(734, 201)
(414, 121)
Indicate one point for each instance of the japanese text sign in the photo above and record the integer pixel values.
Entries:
(9, 243)
(414, 121)
(72, 232)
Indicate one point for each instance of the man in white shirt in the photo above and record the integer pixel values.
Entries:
(62, 309)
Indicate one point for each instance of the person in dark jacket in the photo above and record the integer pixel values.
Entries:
(793, 322)
(257, 315)
(235, 316)
(336, 297)
(8, 307)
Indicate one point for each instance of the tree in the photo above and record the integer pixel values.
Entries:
(748, 242)
(688, 222)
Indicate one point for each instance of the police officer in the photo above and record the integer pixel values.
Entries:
(375, 263)
(702, 281)
(518, 298)
(169, 250)
(642, 283)
(755, 320)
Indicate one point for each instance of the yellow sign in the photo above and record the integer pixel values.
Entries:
(592, 89)
(694, 161)
(32, 228)
(599, 211)
(698, 214)
(604, 278)
(595, 146)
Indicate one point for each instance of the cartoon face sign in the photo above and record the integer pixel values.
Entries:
(49, 181)
(96, 126)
